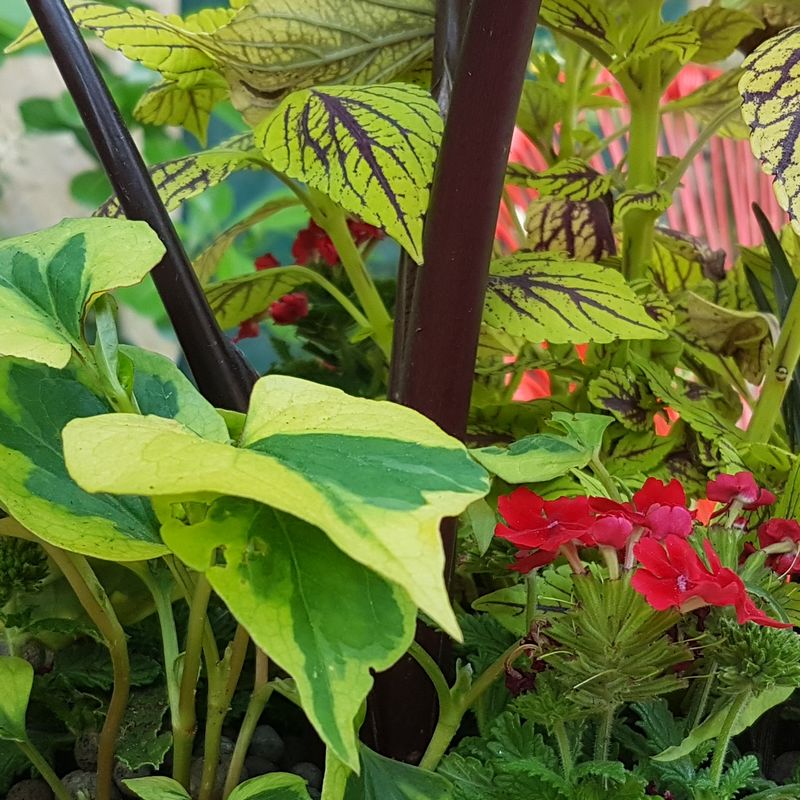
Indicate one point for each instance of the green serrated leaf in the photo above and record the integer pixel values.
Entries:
(682, 262)
(570, 179)
(707, 102)
(370, 149)
(580, 229)
(617, 391)
(141, 740)
(48, 280)
(641, 198)
(370, 474)
(16, 678)
(271, 569)
(586, 22)
(720, 30)
(183, 178)
(540, 297)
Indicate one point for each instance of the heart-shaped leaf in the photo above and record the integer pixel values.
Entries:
(274, 786)
(49, 278)
(371, 149)
(376, 477)
(277, 575)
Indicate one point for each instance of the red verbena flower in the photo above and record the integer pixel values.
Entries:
(249, 329)
(313, 245)
(778, 531)
(364, 232)
(290, 309)
(672, 575)
(741, 488)
(267, 261)
(541, 529)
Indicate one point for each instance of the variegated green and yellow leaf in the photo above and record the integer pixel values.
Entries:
(376, 477)
(184, 178)
(235, 300)
(580, 229)
(720, 30)
(274, 47)
(681, 262)
(49, 278)
(586, 22)
(168, 103)
(277, 574)
(571, 179)
(371, 149)
(770, 89)
(205, 265)
(542, 297)
(36, 402)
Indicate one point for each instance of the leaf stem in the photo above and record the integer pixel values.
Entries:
(605, 478)
(564, 748)
(262, 691)
(604, 728)
(95, 602)
(778, 375)
(45, 770)
(724, 738)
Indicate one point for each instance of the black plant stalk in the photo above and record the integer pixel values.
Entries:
(441, 339)
(222, 374)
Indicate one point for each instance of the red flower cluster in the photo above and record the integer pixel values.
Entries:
(290, 309)
(314, 246)
(652, 529)
(672, 575)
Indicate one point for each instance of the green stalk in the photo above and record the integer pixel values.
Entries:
(603, 740)
(779, 374)
(95, 602)
(564, 748)
(45, 770)
(638, 225)
(262, 691)
(531, 598)
(182, 743)
(605, 478)
(724, 738)
(333, 219)
(576, 60)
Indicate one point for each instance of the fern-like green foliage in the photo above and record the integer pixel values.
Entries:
(613, 648)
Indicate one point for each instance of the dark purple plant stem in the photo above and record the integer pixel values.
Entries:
(451, 21)
(222, 374)
(441, 338)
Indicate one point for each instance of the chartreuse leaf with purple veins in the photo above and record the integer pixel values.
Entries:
(770, 89)
(375, 477)
(370, 149)
(586, 22)
(186, 177)
(36, 402)
(16, 678)
(570, 179)
(627, 399)
(542, 297)
(720, 30)
(277, 574)
(48, 280)
(577, 228)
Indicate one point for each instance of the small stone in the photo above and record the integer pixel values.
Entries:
(86, 782)
(309, 772)
(123, 773)
(37, 655)
(784, 767)
(267, 744)
(226, 746)
(30, 790)
(196, 777)
(256, 765)
(85, 751)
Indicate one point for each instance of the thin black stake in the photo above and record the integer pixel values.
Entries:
(222, 374)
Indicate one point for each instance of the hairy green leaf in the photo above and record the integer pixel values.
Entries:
(540, 297)
(371, 149)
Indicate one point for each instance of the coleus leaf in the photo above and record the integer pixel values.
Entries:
(377, 478)
(580, 229)
(678, 40)
(619, 392)
(586, 22)
(36, 403)
(641, 198)
(48, 280)
(682, 262)
(277, 574)
(570, 179)
(541, 297)
(771, 107)
(274, 47)
(169, 103)
(16, 678)
(183, 178)
(370, 149)
(720, 30)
